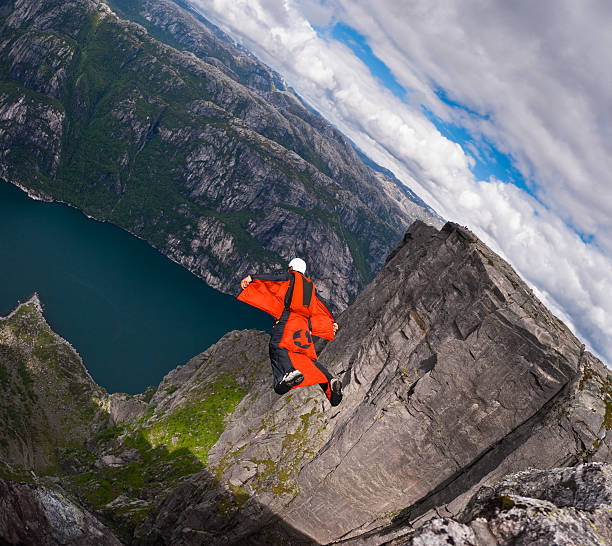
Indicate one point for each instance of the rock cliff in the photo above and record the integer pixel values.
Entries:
(563, 506)
(42, 516)
(49, 401)
(189, 143)
(454, 376)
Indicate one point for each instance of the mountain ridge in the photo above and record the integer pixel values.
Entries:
(223, 178)
(454, 376)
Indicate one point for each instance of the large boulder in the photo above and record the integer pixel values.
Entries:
(562, 506)
(35, 514)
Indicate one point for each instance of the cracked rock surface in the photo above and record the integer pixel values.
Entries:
(39, 515)
(562, 506)
(454, 375)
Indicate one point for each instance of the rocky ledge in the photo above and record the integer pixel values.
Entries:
(562, 506)
(454, 375)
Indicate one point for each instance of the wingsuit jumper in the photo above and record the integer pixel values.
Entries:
(290, 298)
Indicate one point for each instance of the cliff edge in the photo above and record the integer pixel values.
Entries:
(454, 375)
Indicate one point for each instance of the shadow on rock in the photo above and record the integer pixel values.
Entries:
(154, 495)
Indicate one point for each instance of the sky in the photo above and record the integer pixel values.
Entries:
(498, 114)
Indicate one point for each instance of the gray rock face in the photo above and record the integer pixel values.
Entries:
(203, 151)
(563, 506)
(124, 407)
(454, 375)
(38, 515)
(457, 363)
(192, 32)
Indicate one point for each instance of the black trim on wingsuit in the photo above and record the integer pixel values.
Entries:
(289, 293)
(306, 292)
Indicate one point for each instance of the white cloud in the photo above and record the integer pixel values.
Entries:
(537, 68)
(529, 69)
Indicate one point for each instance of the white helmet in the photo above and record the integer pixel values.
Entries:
(297, 264)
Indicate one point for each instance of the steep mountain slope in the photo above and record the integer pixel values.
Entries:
(211, 160)
(454, 376)
(37, 367)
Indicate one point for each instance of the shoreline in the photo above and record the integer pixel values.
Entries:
(45, 198)
(35, 300)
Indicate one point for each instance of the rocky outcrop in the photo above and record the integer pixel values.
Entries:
(202, 151)
(563, 506)
(116, 455)
(39, 515)
(454, 376)
(48, 400)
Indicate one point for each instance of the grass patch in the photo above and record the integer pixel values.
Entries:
(198, 425)
(110, 433)
(148, 394)
(155, 470)
(171, 390)
(605, 389)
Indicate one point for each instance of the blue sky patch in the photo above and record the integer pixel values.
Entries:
(489, 161)
(443, 96)
(358, 44)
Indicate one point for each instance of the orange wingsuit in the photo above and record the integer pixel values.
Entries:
(290, 298)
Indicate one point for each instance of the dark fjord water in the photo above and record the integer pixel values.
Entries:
(132, 314)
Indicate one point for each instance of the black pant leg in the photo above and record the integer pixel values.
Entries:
(280, 361)
(333, 397)
(279, 357)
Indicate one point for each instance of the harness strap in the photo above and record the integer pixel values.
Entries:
(289, 293)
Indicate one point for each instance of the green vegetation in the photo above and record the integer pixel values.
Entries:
(133, 133)
(110, 433)
(588, 375)
(607, 422)
(36, 365)
(295, 445)
(279, 477)
(171, 390)
(240, 495)
(228, 503)
(120, 471)
(156, 470)
(148, 394)
(173, 447)
(197, 426)
(147, 473)
(488, 258)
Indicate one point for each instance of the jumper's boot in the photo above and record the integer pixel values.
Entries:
(336, 392)
(289, 380)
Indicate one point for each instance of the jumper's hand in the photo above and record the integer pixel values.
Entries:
(335, 327)
(245, 282)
